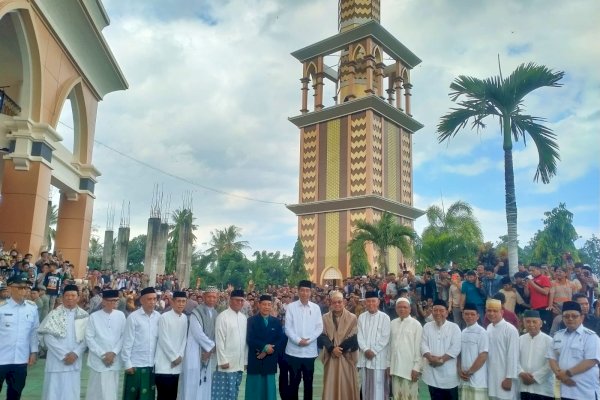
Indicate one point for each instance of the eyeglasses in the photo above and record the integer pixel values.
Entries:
(571, 316)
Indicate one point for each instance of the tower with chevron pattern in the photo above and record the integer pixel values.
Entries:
(355, 145)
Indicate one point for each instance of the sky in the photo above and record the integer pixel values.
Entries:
(212, 83)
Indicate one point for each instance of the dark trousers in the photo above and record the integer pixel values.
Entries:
(284, 377)
(166, 386)
(443, 394)
(300, 369)
(533, 396)
(14, 375)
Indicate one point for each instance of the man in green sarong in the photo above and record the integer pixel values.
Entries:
(265, 340)
(139, 346)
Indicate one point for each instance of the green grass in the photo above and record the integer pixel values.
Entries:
(35, 383)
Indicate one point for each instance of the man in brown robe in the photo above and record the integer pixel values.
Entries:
(340, 351)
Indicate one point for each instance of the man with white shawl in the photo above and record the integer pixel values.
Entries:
(63, 333)
(200, 359)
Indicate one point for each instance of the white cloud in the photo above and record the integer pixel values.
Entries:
(212, 85)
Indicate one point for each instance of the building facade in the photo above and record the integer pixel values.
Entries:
(355, 155)
(52, 53)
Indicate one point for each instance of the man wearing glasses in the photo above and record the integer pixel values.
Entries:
(18, 329)
(574, 355)
(104, 338)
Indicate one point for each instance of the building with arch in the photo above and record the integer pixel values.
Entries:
(355, 155)
(52, 55)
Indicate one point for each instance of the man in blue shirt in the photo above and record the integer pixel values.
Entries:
(18, 329)
(574, 356)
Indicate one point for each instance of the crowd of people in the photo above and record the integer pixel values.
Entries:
(476, 334)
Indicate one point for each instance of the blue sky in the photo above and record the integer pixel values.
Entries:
(213, 83)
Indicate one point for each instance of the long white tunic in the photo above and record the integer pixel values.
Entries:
(63, 381)
(405, 347)
(532, 359)
(374, 335)
(172, 334)
(437, 341)
(503, 359)
(196, 380)
(139, 340)
(474, 341)
(104, 334)
(230, 338)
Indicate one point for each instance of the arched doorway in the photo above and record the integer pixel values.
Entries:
(332, 276)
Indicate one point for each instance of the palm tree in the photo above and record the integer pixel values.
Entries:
(503, 98)
(51, 220)
(452, 235)
(180, 218)
(225, 240)
(384, 234)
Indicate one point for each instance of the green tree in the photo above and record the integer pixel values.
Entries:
(179, 218)
(297, 268)
(51, 220)
(384, 234)
(503, 98)
(557, 237)
(223, 241)
(269, 268)
(135, 253)
(590, 253)
(236, 270)
(95, 253)
(452, 235)
(359, 262)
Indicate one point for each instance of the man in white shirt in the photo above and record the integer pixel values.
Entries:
(200, 358)
(63, 332)
(472, 366)
(503, 355)
(232, 350)
(104, 338)
(170, 348)
(373, 343)
(537, 380)
(139, 348)
(303, 326)
(440, 347)
(405, 353)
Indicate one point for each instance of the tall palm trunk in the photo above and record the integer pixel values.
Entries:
(510, 197)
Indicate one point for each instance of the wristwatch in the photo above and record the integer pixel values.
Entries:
(569, 373)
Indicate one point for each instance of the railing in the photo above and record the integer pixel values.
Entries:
(8, 105)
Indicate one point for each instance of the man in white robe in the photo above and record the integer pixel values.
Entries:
(139, 349)
(373, 343)
(63, 333)
(536, 377)
(200, 358)
(440, 347)
(104, 338)
(503, 355)
(405, 353)
(232, 350)
(170, 348)
(472, 366)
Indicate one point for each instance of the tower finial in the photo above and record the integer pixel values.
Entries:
(352, 13)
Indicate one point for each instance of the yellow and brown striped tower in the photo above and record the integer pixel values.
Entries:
(355, 154)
